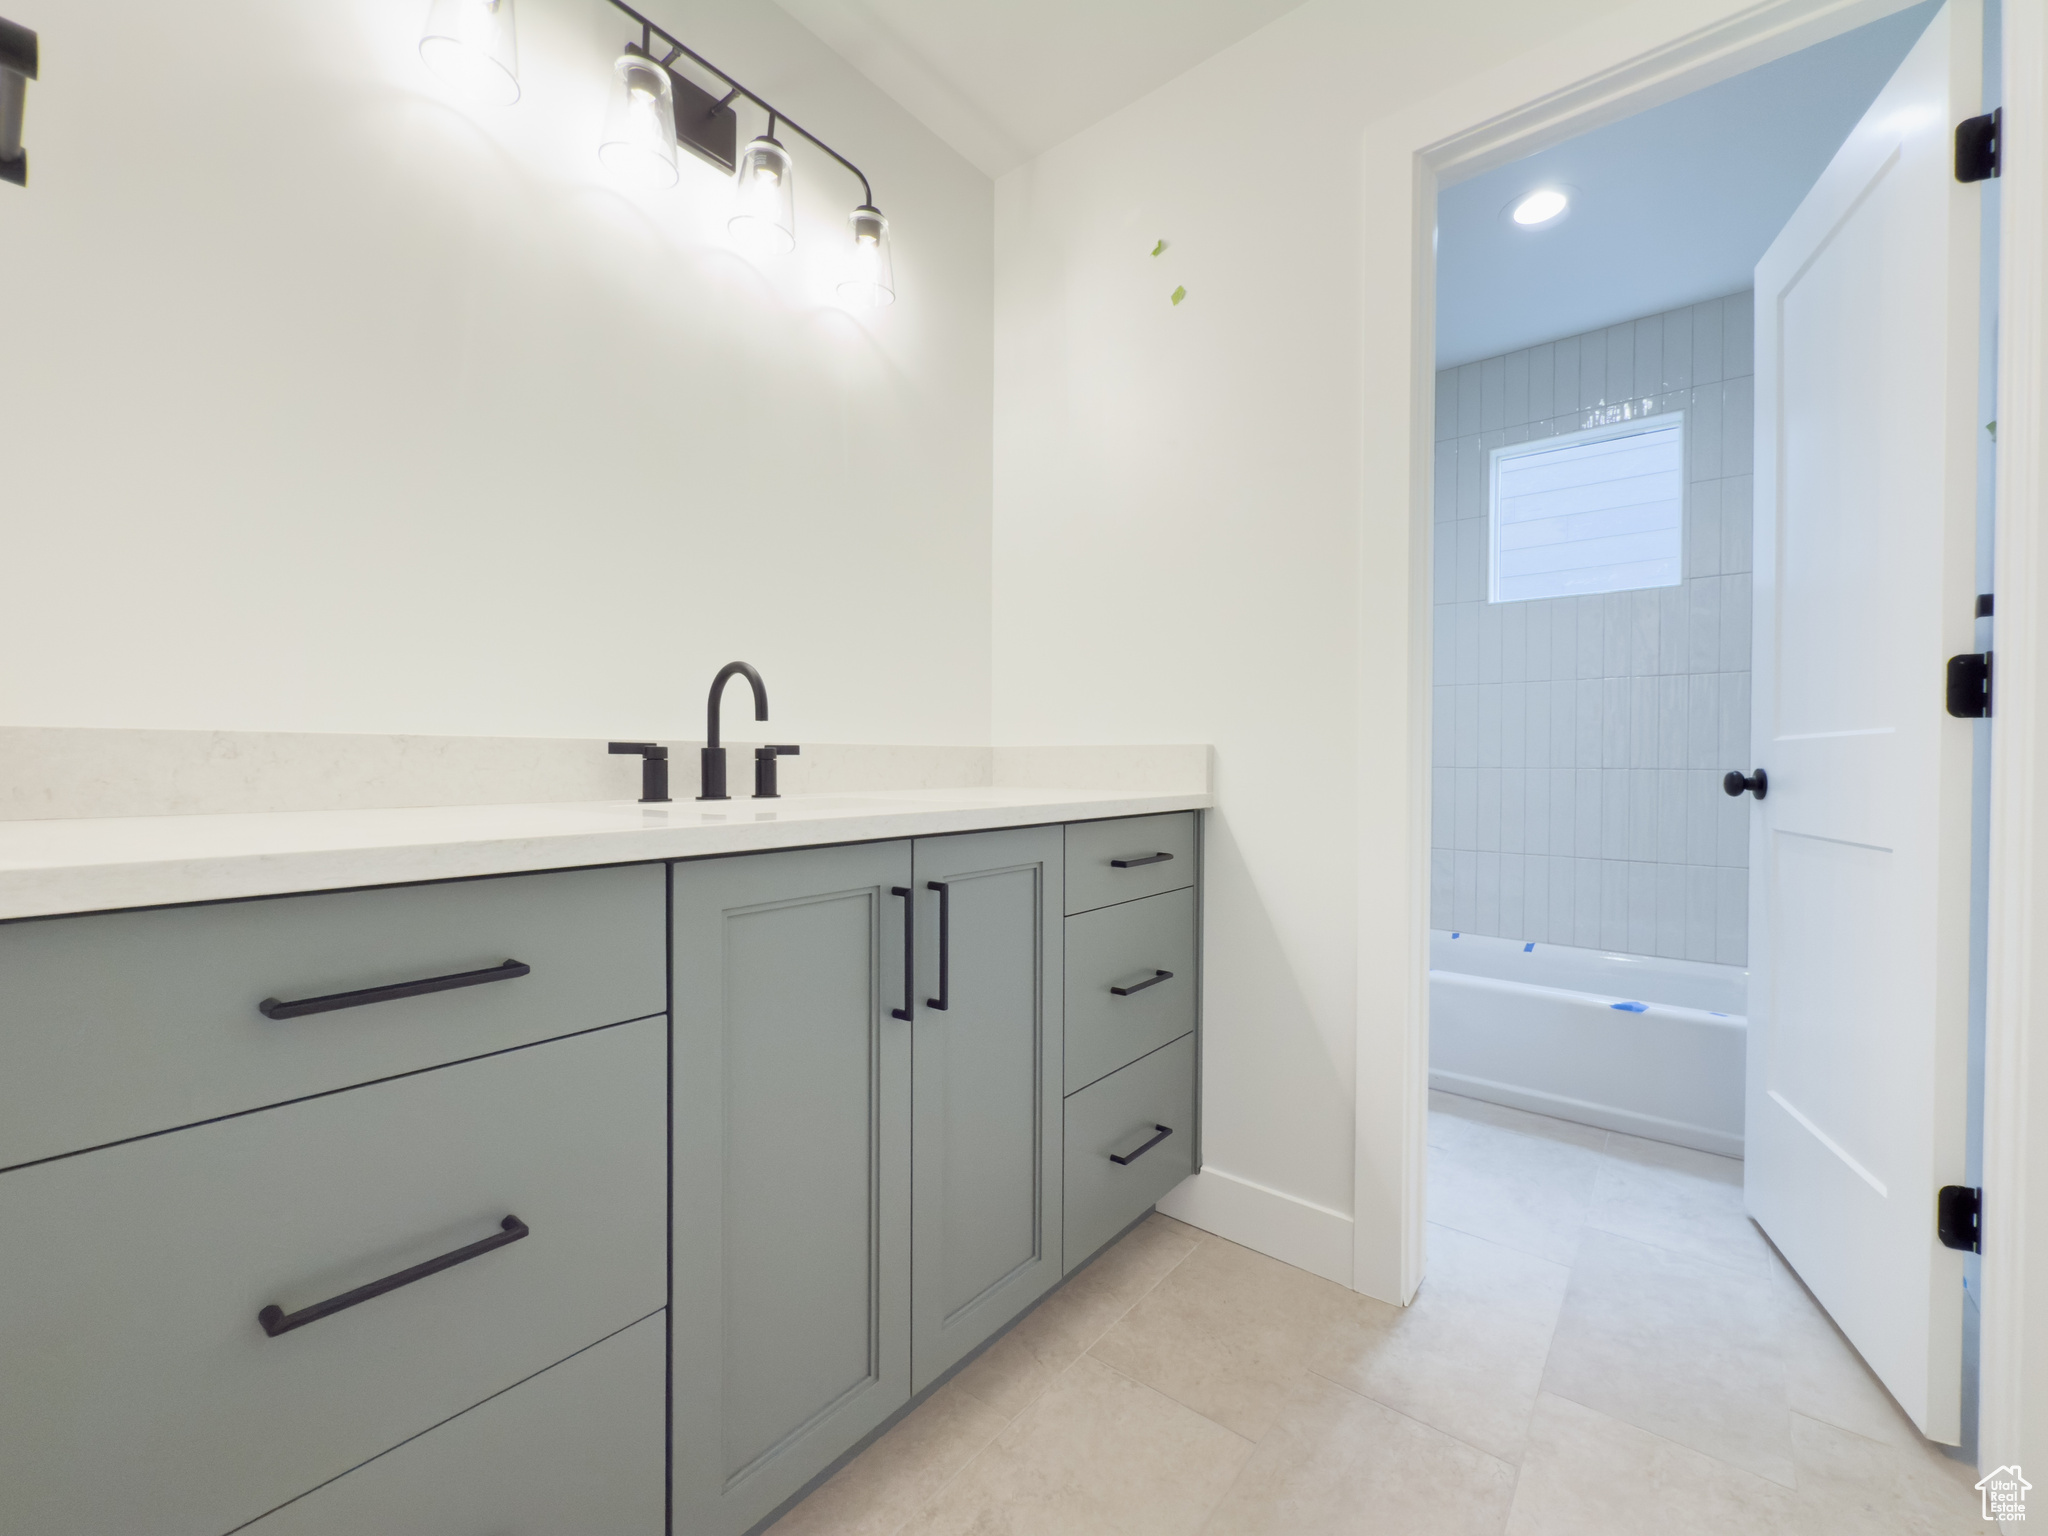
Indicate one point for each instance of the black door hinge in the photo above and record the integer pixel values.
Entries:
(1969, 686)
(1958, 1211)
(1978, 140)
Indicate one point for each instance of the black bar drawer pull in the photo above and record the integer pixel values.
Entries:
(271, 1008)
(1159, 1134)
(276, 1320)
(944, 1000)
(1150, 858)
(1138, 986)
(909, 953)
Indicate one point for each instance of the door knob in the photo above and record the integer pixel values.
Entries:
(1757, 783)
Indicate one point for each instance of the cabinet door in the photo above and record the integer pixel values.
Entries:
(791, 1305)
(985, 1143)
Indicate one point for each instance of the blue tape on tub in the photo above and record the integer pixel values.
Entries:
(1526, 948)
(1631, 1007)
(1454, 935)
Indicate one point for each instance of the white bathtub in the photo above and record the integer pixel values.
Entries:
(1624, 1042)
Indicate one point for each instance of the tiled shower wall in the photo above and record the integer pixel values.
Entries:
(1580, 741)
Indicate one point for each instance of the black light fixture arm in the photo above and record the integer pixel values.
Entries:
(649, 30)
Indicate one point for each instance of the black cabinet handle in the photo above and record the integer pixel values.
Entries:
(909, 953)
(276, 1320)
(944, 999)
(1151, 981)
(1150, 858)
(1758, 783)
(1159, 1134)
(271, 1008)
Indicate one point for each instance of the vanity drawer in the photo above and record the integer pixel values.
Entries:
(1110, 861)
(1116, 1118)
(578, 1448)
(124, 1023)
(1128, 946)
(144, 1395)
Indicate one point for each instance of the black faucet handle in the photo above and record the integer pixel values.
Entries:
(777, 751)
(764, 770)
(653, 768)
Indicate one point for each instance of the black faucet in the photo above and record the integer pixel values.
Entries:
(653, 768)
(714, 755)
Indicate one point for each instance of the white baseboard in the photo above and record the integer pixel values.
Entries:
(1601, 1116)
(1294, 1231)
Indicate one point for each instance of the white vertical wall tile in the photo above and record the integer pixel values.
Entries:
(1464, 889)
(1465, 823)
(1512, 801)
(1510, 921)
(1621, 361)
(1564, 397)
(1735, 721)
(1617, 615)
(1489, 642)
(1736, 522)
(1564, 636)
(1446, 403)
(1468, 400)
(1703, 721)
(1492, 394)
(1440, 884)
(1516, 387)
(1613, 904)
(1670, 910)
(1489, 725)
(1564, 725)
(1642, 815)
(1514, 641)
(1472, 472)
(1703, 621)
(1486, 833)
(1536, 629)
(1465, 734)
(1443, 562)
(1542, 381)
(1731, 945)
(1536, 810)
(1588, 749)
(1642, 909)
(1564, 812)
(1738, 332)
(1677, 351)
(1615, 739)
(1592, 636)
(1467, 623)
(1586, 903)
(1735, 622)
(1443, 807)
(1536, 725)
(1614, 807)
(1674, 697)
(1443, 726)
(1674, 630)
(1486, 907)
(1649, 347)
(1535, 900)
(1444, 482)
(1706, 344)
(1471, 559)
(1642, 722)
(1642, 644)
(1703, 817)
(1586, 842)
(1514, 725)
(1703, 528)
(1738, 436)
(1731, 820)
(1564, 881)
(1592, 369)
(1703, 433)
(1702, 917)
(1670, 816)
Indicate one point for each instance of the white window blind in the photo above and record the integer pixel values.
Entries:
(1597, 511)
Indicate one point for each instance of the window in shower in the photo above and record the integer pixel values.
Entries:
(1596, 511)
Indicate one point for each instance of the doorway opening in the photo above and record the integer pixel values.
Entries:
(1615, 1017)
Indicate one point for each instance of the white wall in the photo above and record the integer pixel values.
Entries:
(1182, 508)
(333, 404)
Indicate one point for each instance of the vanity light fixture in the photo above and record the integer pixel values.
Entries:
(474, 46)
(870, 280)
(763, 221)
(18, 63)
(639, 143)
(1540, 207)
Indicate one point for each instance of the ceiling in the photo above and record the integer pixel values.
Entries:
(1003, 80)
(1669, 207)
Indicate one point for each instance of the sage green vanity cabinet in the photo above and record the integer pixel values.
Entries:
(985, 1134)
(791, 1162)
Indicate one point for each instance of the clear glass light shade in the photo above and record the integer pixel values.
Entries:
(870, 280)
(639, 143)
(763, 222)
(473, 46)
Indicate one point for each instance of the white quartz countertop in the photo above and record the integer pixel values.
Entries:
(52, 867)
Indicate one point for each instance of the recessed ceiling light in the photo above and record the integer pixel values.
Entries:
(1540, 207)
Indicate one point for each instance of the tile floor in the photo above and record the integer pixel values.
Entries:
(1605, 1344)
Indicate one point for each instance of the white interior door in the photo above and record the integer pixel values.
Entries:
(1866, 379)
